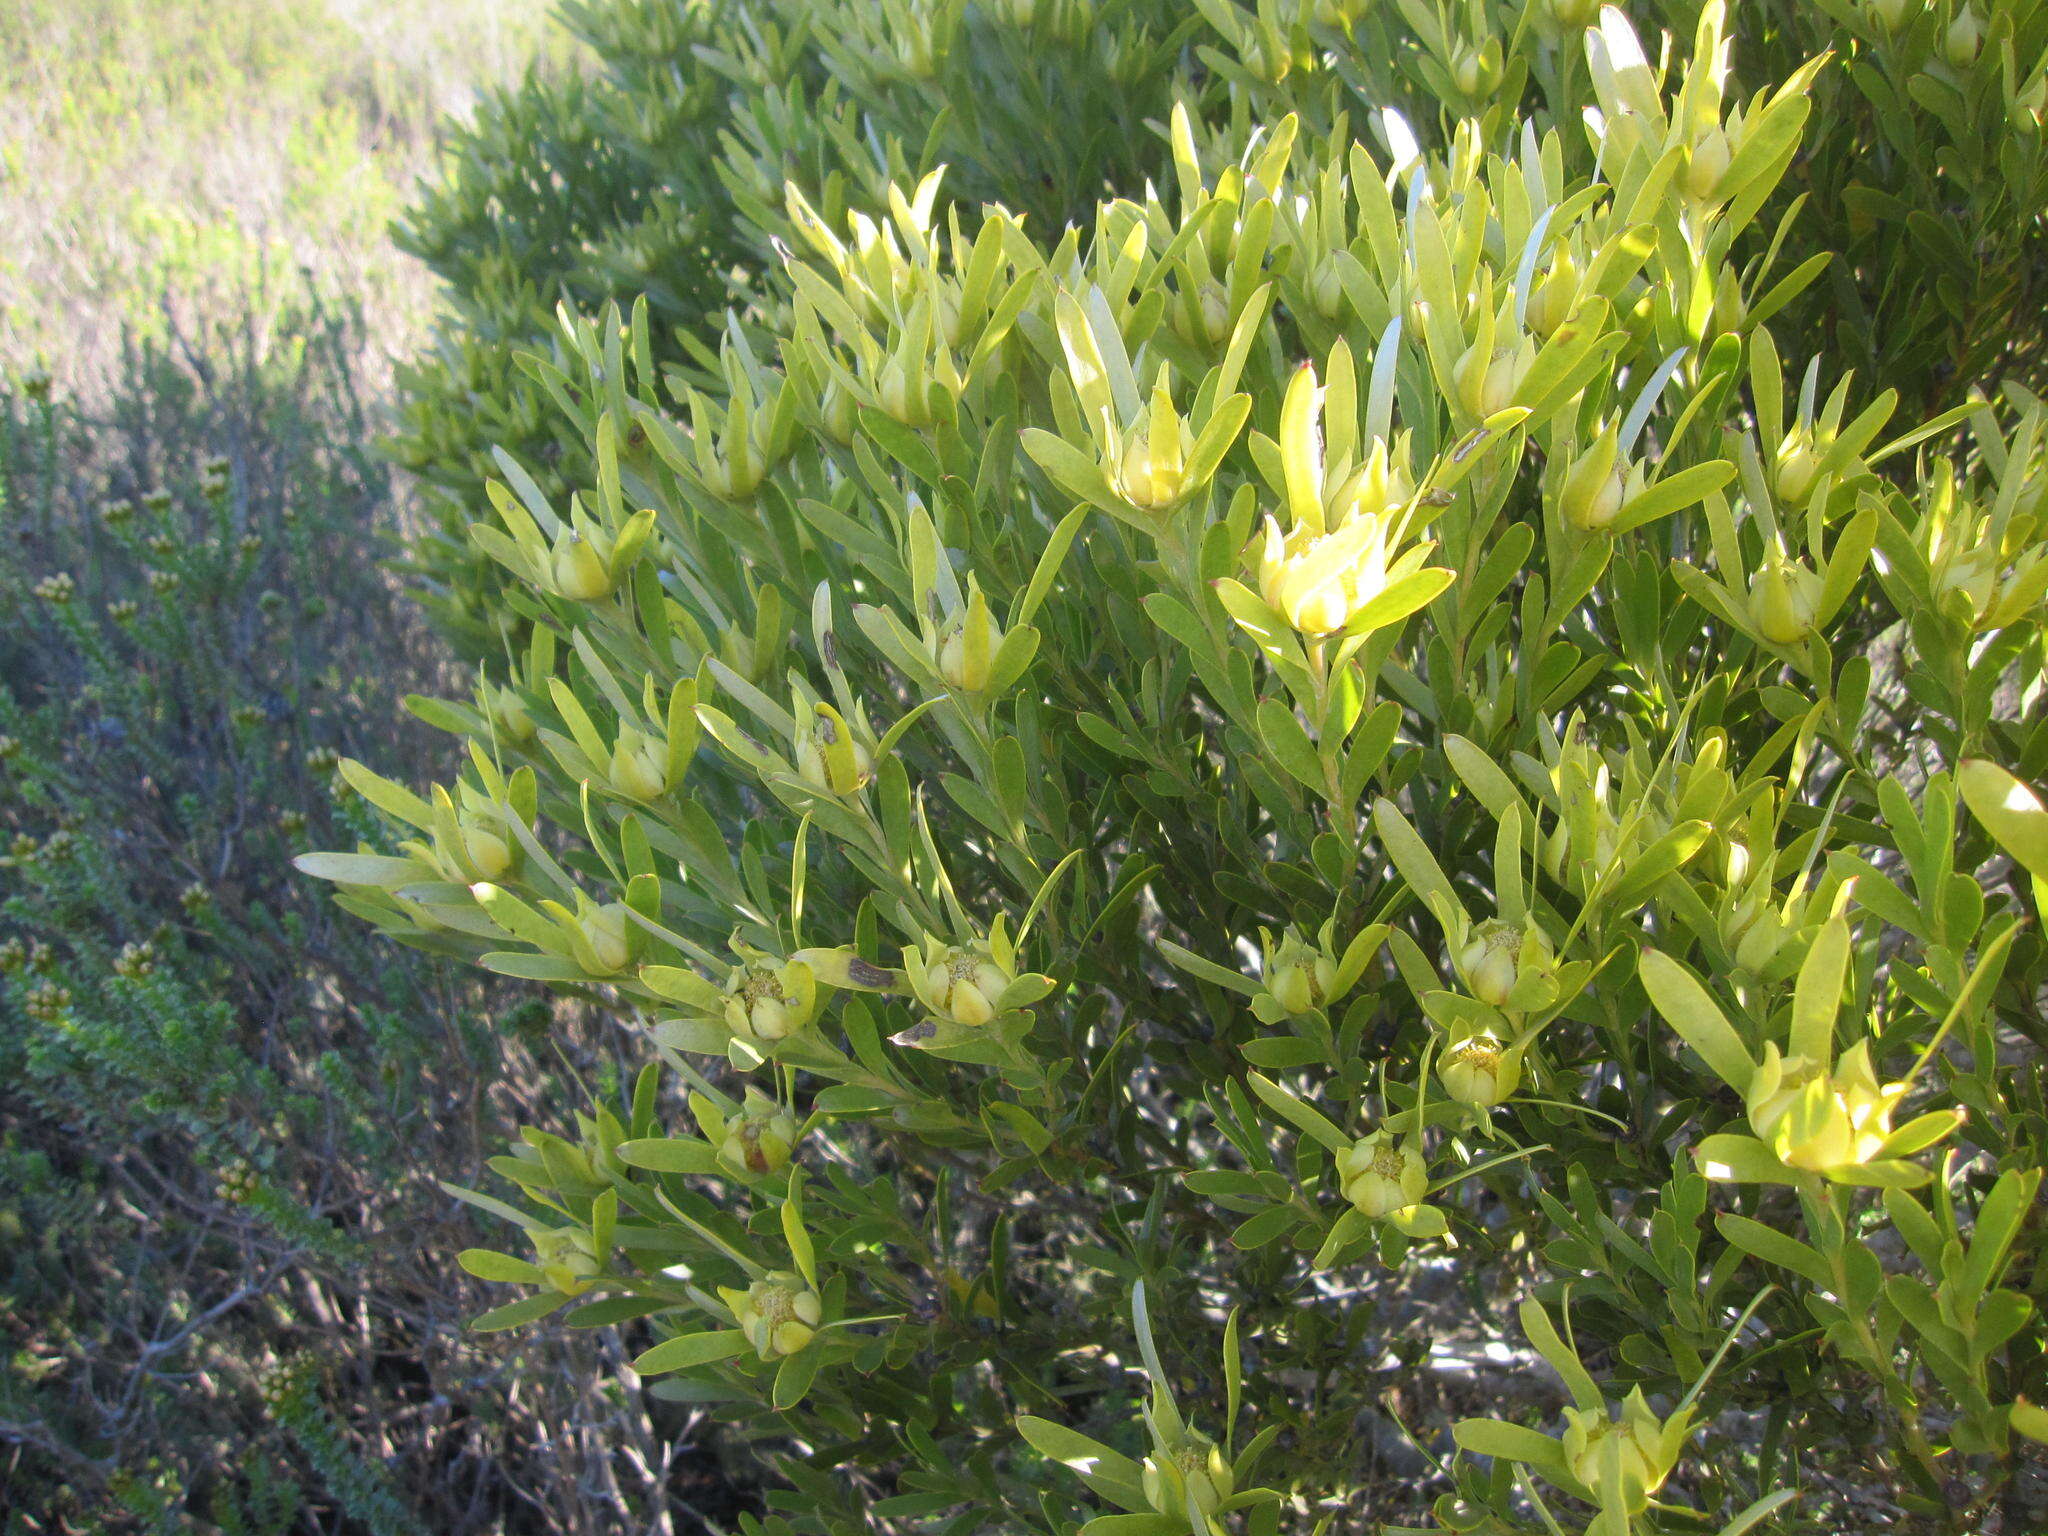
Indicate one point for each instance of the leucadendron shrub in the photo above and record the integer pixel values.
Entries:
(1333, 852)
(659, 173)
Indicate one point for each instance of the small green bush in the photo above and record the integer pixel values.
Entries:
(221, 1110)
(1409, 731)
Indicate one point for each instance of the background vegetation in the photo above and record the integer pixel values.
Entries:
(225, 1300)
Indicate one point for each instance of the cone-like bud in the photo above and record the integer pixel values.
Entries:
(639, 765)
(779, 1314)
(962, 983)
(770, 1000)
(1817, 1120)
(1634, 1441)
(1382, 1175)
(1478, 1068)
(1499, 957)
(1784, 600)
(759, 1138)
(968, 644)
(608, 932)
(1193, 1472)
(579, 570)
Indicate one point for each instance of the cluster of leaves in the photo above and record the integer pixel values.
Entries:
(219, 1106)
(1342, 717)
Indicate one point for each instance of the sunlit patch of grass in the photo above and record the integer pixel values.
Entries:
(166, 162)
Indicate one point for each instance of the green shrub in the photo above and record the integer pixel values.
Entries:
(1196, 807)
(221, 1110)
(661, 175)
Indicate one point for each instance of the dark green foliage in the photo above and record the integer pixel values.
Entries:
(224, 1295)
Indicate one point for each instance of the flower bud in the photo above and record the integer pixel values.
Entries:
(735, 474)
(1191, 1473)
(564, 1257)
(779, 1314)
(1480, 1069)
(1596, 486)
(1150, 481)
(1974, 573)
(1317, 581)
(1487, 385)
(967, 646)
(830, 756)
(1499, 956)
(1796, 467)
(1816, 1120)
(836, 414)
(760, 1136)
(1298, 976)
(1212, 308)
(639, 765)
(1375, 489)
(1706, 162)
(608, 932)
(1381, 1176)
(508, 712)
(768, 1001)
(579, 571)
(1730, 309)
(489, 855)
(900, 396)
(1555, 297)
(1594, 1439)
(1326, 289)
(1468, 70)
(1964, 37)
(960, 983)
(1784, 600)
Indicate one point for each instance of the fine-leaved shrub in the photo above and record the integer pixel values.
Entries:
(222, 1104)
(1341, 841)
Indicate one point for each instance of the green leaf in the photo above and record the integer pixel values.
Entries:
(360, 868)
(1512, 1442)
(1741, 1160)
(1110, 1473)
(1411, 856)
(1689, 1010)
(794, 1232)
(1666, 855)
(1673, 493)
(1400, 599)
(1559, 1355)
(394, 800)
(794, 1376)
(1485, 778)
(614, 1310)
(1774, 1247)
(670, 1155)
(1271, 633)
(1760, 1511)
(1309, 1121)
(1818, 992)
(1289, 743)
(1136, 1525)
(1187, 960)
(1270, 1225)
(692, 1349)
(1048, 568)
(2010, 811)
(515, 1314)
(488, 1264)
